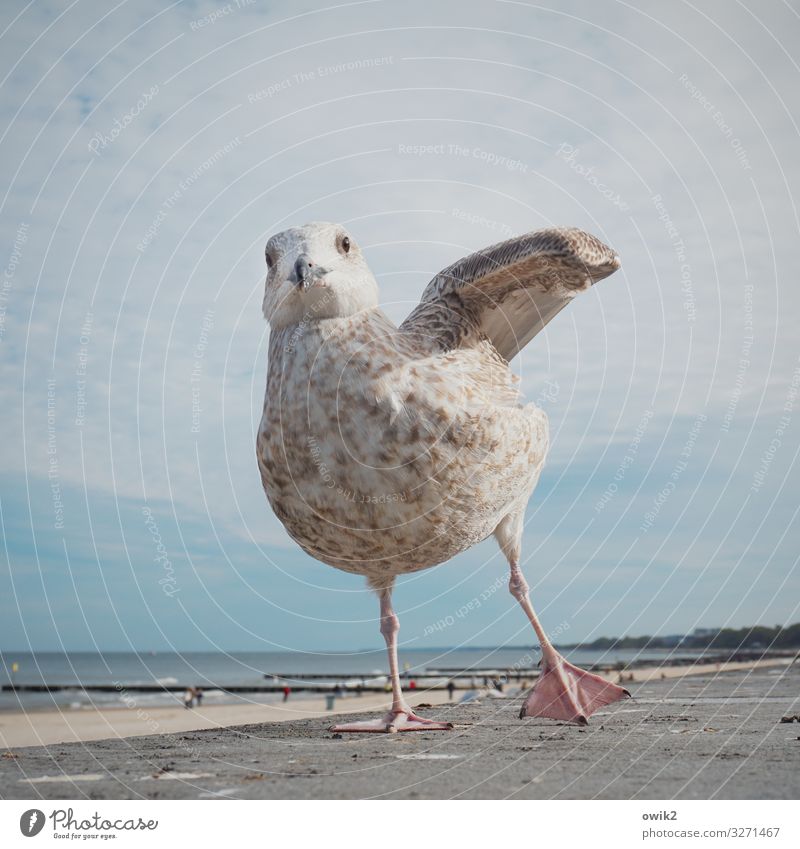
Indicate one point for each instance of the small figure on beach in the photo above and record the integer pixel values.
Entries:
(198, 695)
(287, 691)
(424, 419)
(451, 688)
(188, 698)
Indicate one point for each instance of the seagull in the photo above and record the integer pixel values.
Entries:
(386, 450)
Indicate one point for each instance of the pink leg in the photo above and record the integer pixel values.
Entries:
(563, 691)
(400, 717)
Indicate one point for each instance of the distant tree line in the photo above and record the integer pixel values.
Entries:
(753, 637)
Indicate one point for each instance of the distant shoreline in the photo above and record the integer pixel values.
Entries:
(751, 638)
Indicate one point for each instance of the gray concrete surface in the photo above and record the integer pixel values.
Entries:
(693, 738)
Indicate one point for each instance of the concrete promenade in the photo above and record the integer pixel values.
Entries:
(699, 737)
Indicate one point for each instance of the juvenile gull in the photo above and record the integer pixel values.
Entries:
(385, 450)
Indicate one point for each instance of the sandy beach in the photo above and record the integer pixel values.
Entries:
(720, 735)
(48, 727)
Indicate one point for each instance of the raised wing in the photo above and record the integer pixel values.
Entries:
(508, 292)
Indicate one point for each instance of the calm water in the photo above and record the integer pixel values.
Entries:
(212, 669)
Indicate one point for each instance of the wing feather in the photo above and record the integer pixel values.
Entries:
(508, 292)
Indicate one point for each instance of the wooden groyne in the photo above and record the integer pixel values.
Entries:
(342, 686)
(312, 682)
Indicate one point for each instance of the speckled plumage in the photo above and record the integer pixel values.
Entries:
(386, 450)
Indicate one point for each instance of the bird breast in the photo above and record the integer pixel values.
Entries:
(375, 459)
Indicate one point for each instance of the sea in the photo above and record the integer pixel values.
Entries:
(212, 670)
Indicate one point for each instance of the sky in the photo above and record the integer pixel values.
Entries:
(150, 149)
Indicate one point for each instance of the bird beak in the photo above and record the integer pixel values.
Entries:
(305, 272)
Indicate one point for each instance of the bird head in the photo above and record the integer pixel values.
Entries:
(313, 272)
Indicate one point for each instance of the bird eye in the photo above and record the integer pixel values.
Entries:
(270, 259)
(346, 244)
